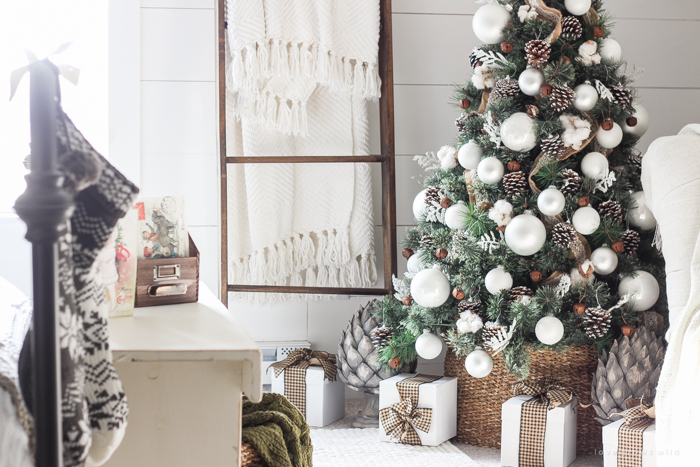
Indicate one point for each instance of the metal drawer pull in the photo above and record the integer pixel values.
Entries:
(166, 272)
(167, 290)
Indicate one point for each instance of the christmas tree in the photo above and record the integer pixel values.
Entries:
(532, 229)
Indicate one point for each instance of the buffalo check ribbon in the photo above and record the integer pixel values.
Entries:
(400, 420)
(294, 368)
(630, 442)
(547, 393)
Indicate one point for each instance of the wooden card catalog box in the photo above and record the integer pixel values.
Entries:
(168, 281)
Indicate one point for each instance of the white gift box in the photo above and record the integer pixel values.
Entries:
(559, 436)
(440, 395)
(610, 441)
(325, 401)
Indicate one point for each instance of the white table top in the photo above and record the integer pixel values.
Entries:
(203, 331)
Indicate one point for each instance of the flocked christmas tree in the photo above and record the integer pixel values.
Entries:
(532, 229)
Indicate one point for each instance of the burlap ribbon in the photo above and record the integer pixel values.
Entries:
(294, 368)
(400, 420)
(630, 438)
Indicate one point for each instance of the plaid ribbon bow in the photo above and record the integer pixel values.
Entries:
(630, 443)
(400, 421)
(548, 390)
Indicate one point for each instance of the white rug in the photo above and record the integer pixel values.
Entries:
(353, 447)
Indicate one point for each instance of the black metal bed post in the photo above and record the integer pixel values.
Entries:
(44, 206)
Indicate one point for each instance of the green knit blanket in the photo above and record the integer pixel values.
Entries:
(278, 431)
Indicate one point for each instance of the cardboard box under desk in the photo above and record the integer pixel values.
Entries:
(168, 281)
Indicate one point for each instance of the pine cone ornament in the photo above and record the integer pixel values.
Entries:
(553, 146)
(572, 181)
(473, 60)
(470, 305)
(433, 196)
(537, 52)
(490, 330)
(381, 335)
(518, 293)
(514, 183)
(631, 240)
(563, 235)
(506, 87)
(459, 123)
(562, 98)
(596, 322)
(571, 28)
(621, 96)
(427, 243)
(635, 160)
(611, 209)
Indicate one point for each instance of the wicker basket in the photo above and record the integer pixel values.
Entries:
(250, 457)
(479, 400)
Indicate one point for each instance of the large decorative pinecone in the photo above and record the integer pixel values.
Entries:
(491, 329)
(621, 96)
(553, 146)
(572, 181)
(562, 98)
(596, 322)
(505, 87)
(571, 28)
(611, 209)
(518, 293)
(537, 52)
(433, 196)
(514, 183)
(381, 336)
(563, 235)
(630, 369)
(473, 60)
(631, 240)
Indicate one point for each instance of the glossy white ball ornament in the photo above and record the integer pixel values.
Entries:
(594, 164)
(489, 21)
(586, 97)
(549, 330)
(641, 216)
(428, 345)
(469, 155)
(525, 234)
(642, 116)
(577, 7)
(586, 220)
(456, 216)
(644, 289)
(498, 280)
(414, 264)
(478, 363)
(604, 260)
(609, 138)
(551, 201)
(518, 132)
(490, 170)
(530, 81)
(419, 205)
(430, 288)
(610, 50)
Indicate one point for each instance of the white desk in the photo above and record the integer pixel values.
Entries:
(184, 369)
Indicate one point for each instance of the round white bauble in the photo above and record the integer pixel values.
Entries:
(642, 125)
(577, 7)
(594, 164)
(610, 50)
(551, 201)
(530, 81)
(489, 21)
(414, 264)
(469, 155)
(430, 288)
(549, 330)
(525, 234)
(586, 97)
(428, 345)
(518, 132)
(456, 215)
(641, 216)
(478, 363)
(490, 170)
(609, 138)
(586, 220)
(644, 289)
(604, 260)
(419, 205)
(497, 280)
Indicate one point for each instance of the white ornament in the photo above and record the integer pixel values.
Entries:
(586, 97)
(641, 216)
(518, 132)
(456, 215)
(428, 345)
(478, 363)
(610, 50)
(414, 264)
(525, 235)
(549, 330)
(489, 20)
(501, 212)
(586, 220)
(469, 155)
(604, 260)
(551, 201)
(609, 138)
(469, 322)
(530, 81)
(419, 206)
(498, 280)
(490, 170)
(594, 165)
(430, 288)
(577, 7)
(642, 125)
(448, 157)
(643, 289)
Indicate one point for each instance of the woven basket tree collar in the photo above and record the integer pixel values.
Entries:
(303, 358)
(546, 389)
(400, 420)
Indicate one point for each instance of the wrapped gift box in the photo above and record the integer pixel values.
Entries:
(325, 400)
(559, 436)
(440, 396)
(610, 440)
